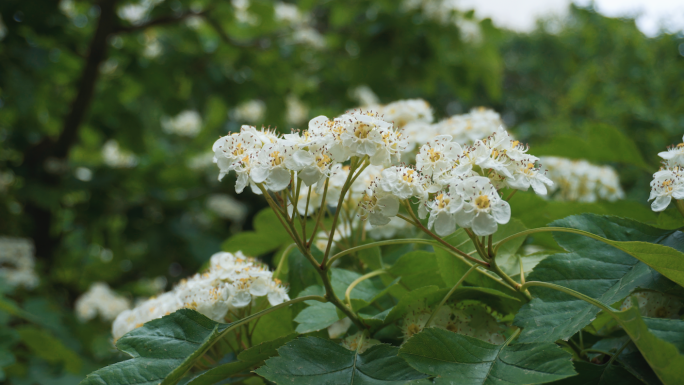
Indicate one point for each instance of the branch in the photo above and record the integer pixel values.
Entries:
(96, 55)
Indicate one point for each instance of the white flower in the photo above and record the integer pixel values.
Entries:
(100, 299)
(363, 134)
(234, 148)
(187, 123)
(297, 112)
(378, 206)
(114, 157)
(483, 208)
(674, 156)
(251, 111)
(437, 156)
(277, 293)
(525, 174)
(666, 184)
(402, 112)
(403, 182)
(443, 211)
(271, 168)
(17, 262)
(227, 207)
(578, 180)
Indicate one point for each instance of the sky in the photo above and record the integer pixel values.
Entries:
(520, 15)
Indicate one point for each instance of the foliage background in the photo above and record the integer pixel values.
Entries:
(587, 87)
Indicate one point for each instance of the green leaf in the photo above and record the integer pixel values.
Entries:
(457, 359)
(273, 325)
(663, 357)
(363, 294)
(246, 360)
(221, 372)
(315, 361)
(301, 273)
(46, 346)
(590, 374)
(590, 267)
(670, 330)
(316, 317)
(417, 269)
(265, 350)
(163, 350)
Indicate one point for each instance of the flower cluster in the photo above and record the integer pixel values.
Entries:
(114, 157)
(466, 128)
(251, 111)
(17, 263)
(668, 182)
(232, 283)
(187, 123)
(457, 184)
(266, 160)
(100, 299)
(579, 180)
(471, 320)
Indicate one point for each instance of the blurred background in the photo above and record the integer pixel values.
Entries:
(108, 110)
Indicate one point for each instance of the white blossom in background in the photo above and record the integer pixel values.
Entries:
(309, 36)
(446, 12)
(579, 180)
(288, 13)
(17, 262)
(114, 157)
(187, 123)
(152, 47)
(296, 111)
(136, 13)
(232, 282)
(242, 14)
(100, 300)
(201, 161)
(251, 111)
(227, 207)
(364, 95)
(6, 180)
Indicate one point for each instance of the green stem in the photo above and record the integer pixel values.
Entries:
(571, 292)
(446, 297)
(306, 214)
(443, 242)
(347, 293)
(345, 187)
(318, 216)
(276, 274)
(392, 242)
(522, 271)
(332, 298)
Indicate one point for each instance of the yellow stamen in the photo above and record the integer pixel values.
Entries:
(482, 202)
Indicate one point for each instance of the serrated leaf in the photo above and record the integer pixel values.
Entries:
(264, 350)
(245, 360)
(164, 349)
(315, 361)
(590, 267)
(663, 357)
(457, 359)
